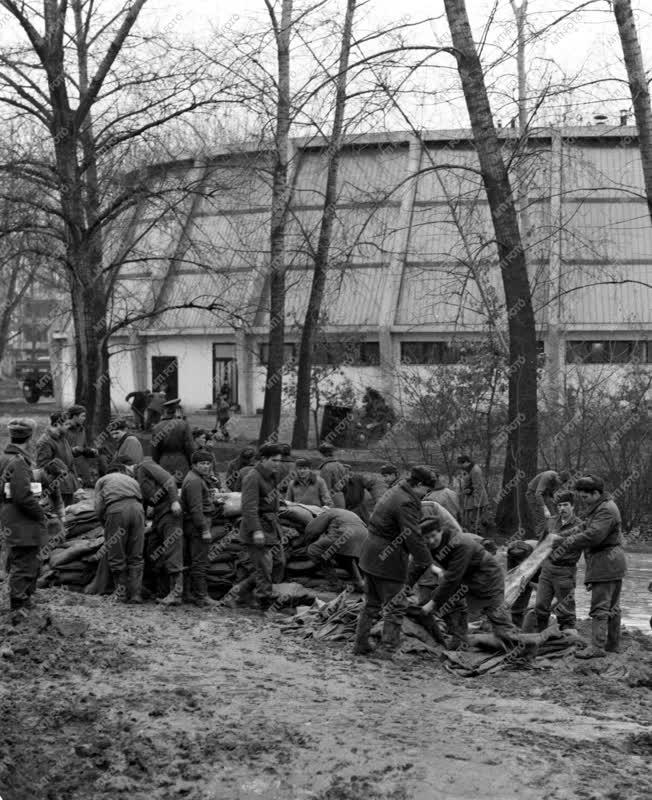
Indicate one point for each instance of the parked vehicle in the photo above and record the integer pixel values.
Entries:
(36, 378)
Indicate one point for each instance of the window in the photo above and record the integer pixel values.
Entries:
(437, 352)
(605, 352)
(289, 352)
(360, 354)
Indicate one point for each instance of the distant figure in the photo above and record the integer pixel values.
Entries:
(475, 500)
(355, 487)
(157, 400)
(139, 402)
(334, 473)
(172, 444)
(225, 391)
(223, 415)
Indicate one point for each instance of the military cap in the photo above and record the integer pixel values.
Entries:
(201, 455)
(303, 462)
(423, 474)
(172, 403)
(589, 483)
(326, 448)
(75, 410)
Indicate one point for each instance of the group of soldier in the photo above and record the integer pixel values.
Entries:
(372, 526)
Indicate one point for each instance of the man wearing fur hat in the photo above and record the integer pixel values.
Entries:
(21, 514)
(394, 535)
(126, 444)
(308, 487)
(601, 540)
(197, 517)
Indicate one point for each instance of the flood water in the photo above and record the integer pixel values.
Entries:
(635, 600)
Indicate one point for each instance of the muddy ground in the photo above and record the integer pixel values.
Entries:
(102, 701)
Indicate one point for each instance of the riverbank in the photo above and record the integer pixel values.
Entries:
(100, 701)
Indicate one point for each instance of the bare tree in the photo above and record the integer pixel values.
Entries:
(639, 87)
(521, 455)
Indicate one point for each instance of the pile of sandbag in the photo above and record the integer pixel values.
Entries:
(70, 556)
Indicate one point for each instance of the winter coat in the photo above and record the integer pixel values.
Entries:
(260, 506)
(561, 556)
(54, 444)
(21, 516)
(158, 487)
(354, 493)
(333, 472)
(130, 446)
(235, 473)
(286, 473)
(469, 570)
(155, 402)
(312, 491)
(474, 492)
(340, 532)
(394, 535)
(602, 541)
(543, 487)
(86, 472)
(196, 502)
(172, 446)
(113, 488)
(448, 499)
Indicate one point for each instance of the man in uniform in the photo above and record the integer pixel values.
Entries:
(601, 540)
(159, 490)
(76, 434)
(334, 473)
(338, 535)
(21, 514)
(394, 535)
(238, 468)
(172, 444)
(126, 444)
(260, 530)
(54, 444)
(446, 497)
(389, 475)
(356, 487)
(474, 496)
(540, 498)
(119, 507)
(197, 518)
(559, 570)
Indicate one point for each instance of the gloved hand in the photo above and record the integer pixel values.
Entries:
(176, 508)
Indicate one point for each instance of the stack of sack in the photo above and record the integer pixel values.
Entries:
(73, 549)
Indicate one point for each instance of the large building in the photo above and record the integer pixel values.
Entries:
(413, 275)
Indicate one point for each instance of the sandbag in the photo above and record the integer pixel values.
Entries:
(75, 551)
(297, 514)
(300, 567)
(220, 568)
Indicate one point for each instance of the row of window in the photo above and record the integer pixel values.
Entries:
(367, 354)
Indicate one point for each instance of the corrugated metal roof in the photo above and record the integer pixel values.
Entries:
(606, 231)
(602, 169)
(229, 241)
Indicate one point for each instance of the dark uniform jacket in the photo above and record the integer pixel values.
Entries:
(159, 488)
(22, 515)
(260, 506)
(172, 446)
(235, 473)
(394, 535)
(354, 493)
(196, 502)
(469, 569)
(602, 541)
(56, 445)
(333, 472)
(561, 556)
(286, 472)
(543, 486)
(447, 498)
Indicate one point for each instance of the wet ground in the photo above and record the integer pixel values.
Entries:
(99, 701)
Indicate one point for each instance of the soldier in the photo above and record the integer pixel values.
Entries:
(126, 444)
(238, 468)
(139, 403)
(54, 444)
(601, 540)
(119, 507)
(559, 570)
(172, 444)
(540, 498)
(334, 473)
(389, 474)
(447, 498)
(338, 535)
(394, 535)
(197, 517)
(21, 514)
(356, 487)
(260, 530)
(308, 487)
(82, 453)
(474, 496)
(159, 490)
(286, 469)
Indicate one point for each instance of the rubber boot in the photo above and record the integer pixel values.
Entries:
(135, 585)
(175, 595)
(391, 638)
(598, 640)
(200, 596)
(362, 646)
(120, 591)
(613, 633)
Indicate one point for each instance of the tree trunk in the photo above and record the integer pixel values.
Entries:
(639, 88)
(521, 452)
(280, 202)
(302, 408)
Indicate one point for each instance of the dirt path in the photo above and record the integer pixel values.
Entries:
(220, 706)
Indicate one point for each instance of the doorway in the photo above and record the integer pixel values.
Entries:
(165, 370)
(225, 373)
